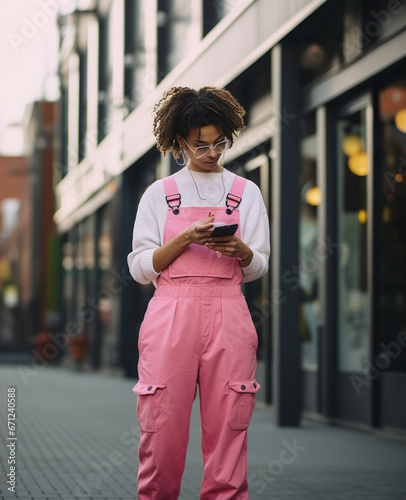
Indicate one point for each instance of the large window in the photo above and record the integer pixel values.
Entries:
(109, 289)
(179, 29)
(369, 21)
(320, 42)
(139, 51)
(214, 11)
(340, 32)
(381, 19)
(392, 163)
(252, 88)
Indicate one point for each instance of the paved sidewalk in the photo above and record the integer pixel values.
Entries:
(77, 438)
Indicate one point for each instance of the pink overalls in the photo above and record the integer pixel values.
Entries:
(197, 329)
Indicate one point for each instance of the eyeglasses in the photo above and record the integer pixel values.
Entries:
(201, 151)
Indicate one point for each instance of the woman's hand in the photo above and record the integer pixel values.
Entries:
(199, 231)
(231, 246)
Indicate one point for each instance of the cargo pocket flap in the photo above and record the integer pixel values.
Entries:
(144, 388)
(251, 386)
(241, 403)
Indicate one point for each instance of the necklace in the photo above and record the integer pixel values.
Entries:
(205, 199)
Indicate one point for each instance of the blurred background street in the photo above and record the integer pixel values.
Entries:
(323, 83)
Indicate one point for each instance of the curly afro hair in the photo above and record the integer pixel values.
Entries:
(181, 109)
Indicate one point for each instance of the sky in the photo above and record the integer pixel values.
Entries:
(28, 63)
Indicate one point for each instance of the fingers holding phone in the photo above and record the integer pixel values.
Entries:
(201, 230)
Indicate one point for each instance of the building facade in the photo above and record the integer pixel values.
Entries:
(29, 247)
(324, 86)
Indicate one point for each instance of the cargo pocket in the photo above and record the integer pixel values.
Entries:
(241, 403)
(151, 405)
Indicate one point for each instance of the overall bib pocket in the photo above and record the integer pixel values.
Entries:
(241, 403)
(151, 405)
(198, 260)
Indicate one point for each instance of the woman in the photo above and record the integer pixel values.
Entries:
(197, 328)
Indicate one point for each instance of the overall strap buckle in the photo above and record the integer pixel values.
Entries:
(171, 187)
(236, 199)
(173, 198)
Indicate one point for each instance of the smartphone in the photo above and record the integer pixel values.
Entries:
(226, 230)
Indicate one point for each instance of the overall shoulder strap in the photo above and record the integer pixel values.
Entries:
(172, 195)
(238, 185)
(234, 197)
(170, 185)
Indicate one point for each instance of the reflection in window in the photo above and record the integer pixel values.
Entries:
(352, 162)
(392, 116)
(308, 245)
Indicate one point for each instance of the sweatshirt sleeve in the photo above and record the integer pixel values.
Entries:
(146, 239)
(256, 235)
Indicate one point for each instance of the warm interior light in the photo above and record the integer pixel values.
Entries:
(112, 186)
(313, 57)
(5, 269)
(67, 263)
(362, 216)
(385, 214)
(313, 196)
(10, 296)
(358, 164)
(400, 120)
(352, 145)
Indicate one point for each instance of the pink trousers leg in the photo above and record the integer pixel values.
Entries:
(227, 390)
(166, 390)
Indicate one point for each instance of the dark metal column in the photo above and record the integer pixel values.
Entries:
(287, 383)
(326, 179)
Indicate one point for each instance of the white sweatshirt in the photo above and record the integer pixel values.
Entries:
(151, 215)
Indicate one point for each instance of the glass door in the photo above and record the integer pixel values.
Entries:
(389, 361)
(353, 160)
